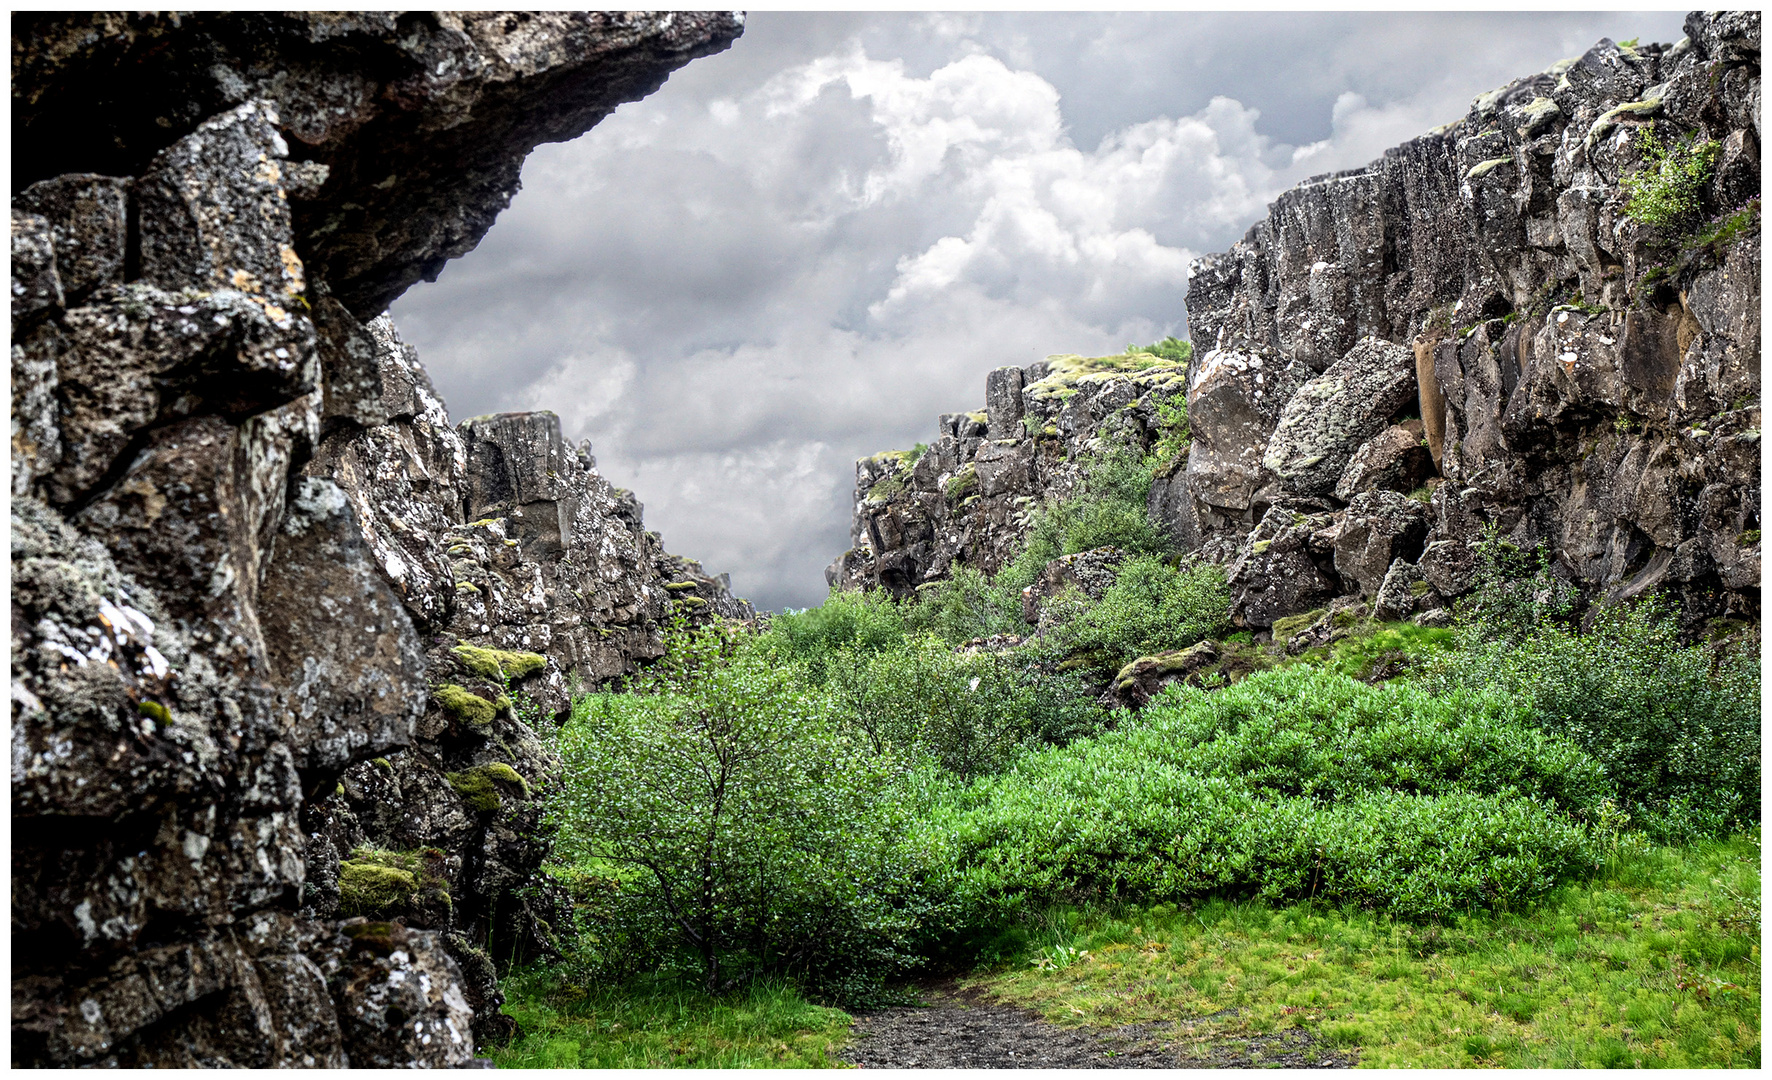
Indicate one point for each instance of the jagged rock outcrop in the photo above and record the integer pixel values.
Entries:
(241, 548)
(1468, 336)
(1584, 381)
(964, 500)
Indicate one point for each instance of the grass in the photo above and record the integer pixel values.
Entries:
(1656, 965)
(644, 1025)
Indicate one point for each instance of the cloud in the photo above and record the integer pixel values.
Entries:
(801, 251)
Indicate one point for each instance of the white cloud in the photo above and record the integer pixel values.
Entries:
(802, 251)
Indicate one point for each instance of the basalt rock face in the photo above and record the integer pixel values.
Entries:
(1582, 380)
(274, 621)
(1470, 335)
(965, 500)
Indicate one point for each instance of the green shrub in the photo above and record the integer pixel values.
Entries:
(1668, 189)
(1172, 349)
(968, 715)
(1151, 607)
(1291, 784)
(857, 621)
(1111, 510)
(1316, 733)
(963, 606)
(740, 830)
(1677, 729)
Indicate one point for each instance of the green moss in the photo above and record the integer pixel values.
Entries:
(478, 786)
(154, 711)
(470, 708)
(690, 601)
(962, 483)
(366, 888)
(467, 587)
(1484, 168)
(1292, 625)
(886, 489)
(1748, 538)
(1261, 546)
(1065, 370)
(499, 664)
(382, 763)
(1419, 588)
(680, 586)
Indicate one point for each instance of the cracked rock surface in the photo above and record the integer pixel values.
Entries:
(1471, 324)
(274, 618)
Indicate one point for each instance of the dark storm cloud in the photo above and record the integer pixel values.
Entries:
(800, 251)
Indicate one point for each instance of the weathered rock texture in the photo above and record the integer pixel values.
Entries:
(965, 500)
(278, 629)
(1469, 334)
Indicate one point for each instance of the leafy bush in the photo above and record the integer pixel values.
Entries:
(1668, 190)
(1171, 348)
(734, 828)
(857, 621)
(1299, 731)
(1151, 607)
(1110, 510)
(1291, 784)
(1677, 729)
(963, 606)
(969, 715)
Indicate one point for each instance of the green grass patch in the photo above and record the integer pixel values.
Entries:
(654, 1024)
(1655, 964)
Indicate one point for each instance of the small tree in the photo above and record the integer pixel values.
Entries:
(745, 831)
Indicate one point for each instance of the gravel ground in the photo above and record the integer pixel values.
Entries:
(954, 1029)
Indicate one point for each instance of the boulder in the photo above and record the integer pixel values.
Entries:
(1403, 593)
(1233, 402)
(1395, 459)
(1143, 679)
(1379, 528)
(1328, 418)
(1285, 568)
(1002, 396)
(88, 216)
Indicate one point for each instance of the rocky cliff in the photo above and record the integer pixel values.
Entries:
(1468, 336)
(280, 630)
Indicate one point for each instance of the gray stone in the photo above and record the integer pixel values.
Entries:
(1379, 528)
(1281, 569)
(88, 215)
(36, 286)
(1328, 418)
(1395, 459)
(1002, 395)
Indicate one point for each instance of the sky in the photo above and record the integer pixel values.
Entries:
(801, 251)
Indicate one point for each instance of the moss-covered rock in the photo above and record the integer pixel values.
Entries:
(470, 708)
(366, 888)
(499, 664)
(1293, 625)
(384, 884)
(480, 787)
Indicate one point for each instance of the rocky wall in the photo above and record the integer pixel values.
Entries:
(273, 618)
(1468, 336)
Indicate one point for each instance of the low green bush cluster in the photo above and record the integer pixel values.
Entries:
(1291, 784)
(1676, 728)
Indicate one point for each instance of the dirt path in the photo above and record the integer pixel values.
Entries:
(956, 1029)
